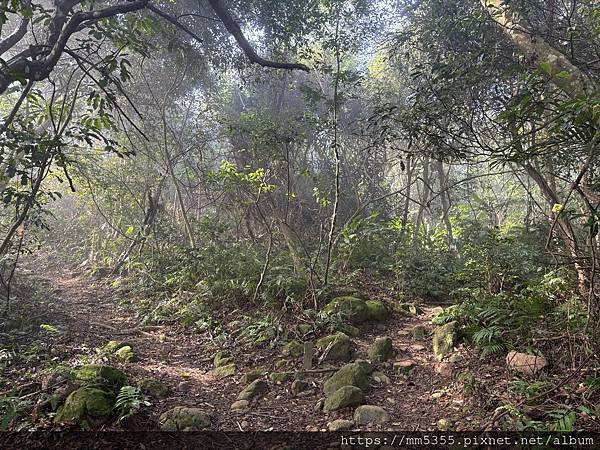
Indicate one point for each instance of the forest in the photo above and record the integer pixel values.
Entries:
(312, 215)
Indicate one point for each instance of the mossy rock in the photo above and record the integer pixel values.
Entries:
(331, 292)
(349, 375)
(377, 310)
(224, 371)
(293, 348)
(350, 308)
(410, 309)
(304, 328)
(221, 359)
(254, 374)
(153, 387)
(112, 346)
(254, 390)
(444, 339)
(299, 386)
(344, 397)
(371, 414)
(279, 377)
(104, 376)
(86, 406)
(419, 332)
(182, 418)
(348, 329)
(381, 350)
(125, 354)
(338, 346)
(365, 365)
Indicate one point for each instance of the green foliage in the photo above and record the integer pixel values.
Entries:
(129, 401)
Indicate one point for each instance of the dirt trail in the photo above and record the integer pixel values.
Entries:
(88, 313)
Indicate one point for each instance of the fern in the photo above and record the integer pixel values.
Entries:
(129, 400)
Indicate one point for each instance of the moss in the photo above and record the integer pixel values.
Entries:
(222, 359)
(444, 338)
(381, 349)
(253, 375)
(153, 387)
(182, 418)
(349, 375)
(224, 371)
(338, 346)
(256, 389)
(125, 354)
(343, 397)
(377, 310)
(112, 346)
(348, 329)
(279, 377)
(351, 308)
(86, 406)
(105, 376)
(293, 348)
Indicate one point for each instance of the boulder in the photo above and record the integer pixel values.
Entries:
(343, 397)
(338, 347)
(103, 376)
(125, 354)
(348, 329)
(239, 405)
(524, 363)
(221, 359)
(182, 418)
(404, 367)
(365, 365)
(293, 349)
(444, 338)
(112, 346)
(349, 375)
(419, 332)
(279, 377)
(224, 371)
(380, 377)
(377, 310)
(340, 425)
(381, 350)
(299, 386)
(254, 390)
(253, 375)
(153, 387)
(370, 414)
(352, 309)
(86, 406)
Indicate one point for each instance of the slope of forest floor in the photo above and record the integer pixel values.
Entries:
(84, 314)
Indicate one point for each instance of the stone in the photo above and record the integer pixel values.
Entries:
(455, 358)
(184, 386)
(371, 414)
(153, 387)
(343, 397)
(221, 359)
(524, 363)
(444, 369)
(381, 350)
(304, 329)
(377, 310)
(437, 395)
(340, 425)
(419, 332)
(348, 329)
(410, 309)
(224, 371)
(98, 375)
(279, 377)
(348, 375)
(112, 346)
(293, 348)
(299, 386)
(338, 347)
(125, 354)
(239, 405)
(443, 424)
(416, 347)
(350, 308)
(444, 338)
(365, 365)
(253, 375)
(380, 378)
(404, 367)
(86, 406)
(183, 418)
(254, 390)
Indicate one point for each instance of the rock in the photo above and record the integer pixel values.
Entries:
(444, 369)
(304, 329)
(524, 363)
(293, 349)
(436, 395)
(112, 346)
(105, 376)
(410, 309)
(350, 308)
(221, 359)
(319, 405)
(404, 367)
(224, 371)
(338, 347)
(86, 406)
(239, 405)
(444, 338)
(280, 363)
(340, 425)
(125, 354)
(348, 329)
(455, 358)
(380, 377)
(416, 347)
(343, 397)
(348, 375)
(279, 377)
(299, 386)
(153, 387)
(182, 418)
(365, 365)
(184, 386)
(377, 310)
(419, 332)
(370, 414)
(254, 390)
(443, 424)
(253, 375)
(381, 349)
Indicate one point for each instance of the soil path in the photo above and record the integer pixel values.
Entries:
(88, 313)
